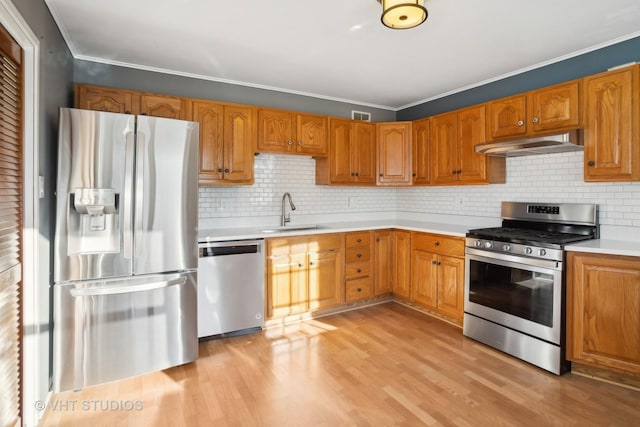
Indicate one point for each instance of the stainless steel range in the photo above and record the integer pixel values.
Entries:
(515, 279)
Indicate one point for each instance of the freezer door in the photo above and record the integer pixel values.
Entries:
(166, 193)
(94, 194)
(108, 330)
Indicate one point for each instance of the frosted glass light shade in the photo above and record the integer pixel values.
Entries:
(403, 14)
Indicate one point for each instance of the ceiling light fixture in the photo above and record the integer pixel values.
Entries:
(403, 14)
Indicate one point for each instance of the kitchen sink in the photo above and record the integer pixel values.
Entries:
(291, 229)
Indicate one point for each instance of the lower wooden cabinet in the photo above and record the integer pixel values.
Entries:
(603, 311)
(437, 273)
(304, 273)
(359, 279)
(392, 262)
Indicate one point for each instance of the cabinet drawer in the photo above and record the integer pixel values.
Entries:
(437, 243)
(301, 244)
(362, 253)
(357, 269)
(361, 238)
(358, 289)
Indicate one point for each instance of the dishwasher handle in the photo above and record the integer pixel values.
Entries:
(229, 248)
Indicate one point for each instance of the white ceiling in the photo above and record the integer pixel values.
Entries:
(338, 49)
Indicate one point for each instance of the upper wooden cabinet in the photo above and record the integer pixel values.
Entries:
(612, 126)
(352, 154)
(288, 132)
(131, 102)
(421, 156)
(454, 136)
(550, 109)
(98, 98)
(170, 107)
(603, 311)
(227, 142)
(394, 153)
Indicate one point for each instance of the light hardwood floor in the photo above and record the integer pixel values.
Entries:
(383, 365)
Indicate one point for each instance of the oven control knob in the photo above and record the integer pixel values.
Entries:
(528, 251)
(488, 245)
(506, 248)
(542, 252)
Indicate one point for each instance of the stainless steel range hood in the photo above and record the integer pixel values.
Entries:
(558, 143)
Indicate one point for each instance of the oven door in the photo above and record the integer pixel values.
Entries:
(520, 293)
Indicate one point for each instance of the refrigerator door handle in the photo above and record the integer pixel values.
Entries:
(127, 235)
(113, 290)
(139, 184)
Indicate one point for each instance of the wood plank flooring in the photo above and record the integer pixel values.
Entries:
(385, 365)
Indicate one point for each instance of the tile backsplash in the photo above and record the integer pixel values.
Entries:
(549, 178)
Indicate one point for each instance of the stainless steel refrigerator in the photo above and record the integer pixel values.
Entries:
(126, 255)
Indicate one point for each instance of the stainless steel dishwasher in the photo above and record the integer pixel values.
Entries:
(230, 287)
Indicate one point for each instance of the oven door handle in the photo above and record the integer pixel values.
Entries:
(512, 260)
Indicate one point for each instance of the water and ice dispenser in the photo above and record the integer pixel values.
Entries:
(93, 221)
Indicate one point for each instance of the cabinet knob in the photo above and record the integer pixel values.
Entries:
(310, 262)
(536, 120)
(437, 243)
(219, 170)
(300, 265)
(357, 174)
(381, 175)
(520, 123)
(591, 163)
(127, 112)
(226, 171)
(353, 174)
(290, 142)
(434, 262)
(359, 240)
(359, 270)
(299, 142)
(439, 262)
(359, 255)
(359, 289)
(414, 174)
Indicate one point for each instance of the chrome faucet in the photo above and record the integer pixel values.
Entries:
(285, 219)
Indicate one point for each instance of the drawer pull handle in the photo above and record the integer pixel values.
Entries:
(359, 289)
(359, 255)
(359, 240)
(359, 270)
(437, 243)
(434, 262)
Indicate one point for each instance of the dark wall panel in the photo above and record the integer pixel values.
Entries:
(590, 63)
(148, 81)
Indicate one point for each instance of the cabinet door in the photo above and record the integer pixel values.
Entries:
(507, 117)
(210, 117)
(401, 263)
(170, 107)
(239, 140)
(276, 131)
(603, 311)
(311, 132)
(421, 158)
(444, 139)
(554, 108)
(286, 284)
(363, 152)
(424, 278)
(450, 280)
(394, 153)
(612, 126)
(106, 99)
(472, 167)
(382, 262)
(340, 169)
(325, 279)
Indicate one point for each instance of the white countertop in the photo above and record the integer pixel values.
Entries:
(222, 234)
(607, 246)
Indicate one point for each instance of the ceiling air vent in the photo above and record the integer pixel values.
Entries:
(361, 115)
